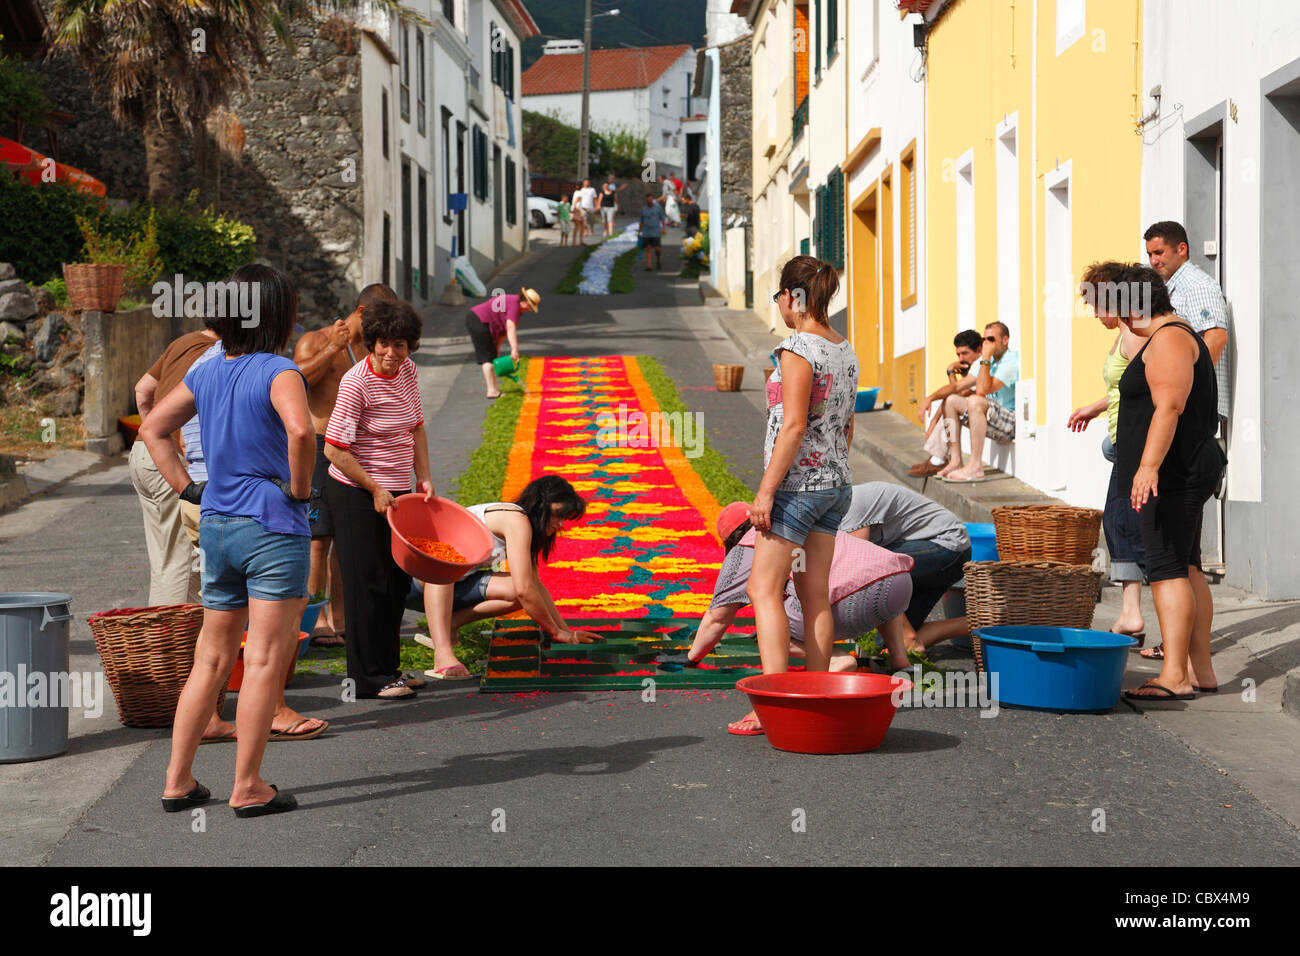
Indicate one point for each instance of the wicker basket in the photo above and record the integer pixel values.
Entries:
(93, 287)
(727, 377)
(147, 653)
(1046, 593)
(1047, 533)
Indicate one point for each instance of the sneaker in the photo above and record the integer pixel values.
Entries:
(924, 469)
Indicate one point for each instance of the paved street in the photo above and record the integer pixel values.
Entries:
(601, 778)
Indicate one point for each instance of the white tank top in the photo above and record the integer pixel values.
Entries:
(497, 560)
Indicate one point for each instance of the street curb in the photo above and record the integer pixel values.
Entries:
(42, 477)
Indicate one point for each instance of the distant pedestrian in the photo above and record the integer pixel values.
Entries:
(609, 203)
(691, 216)
(563, 215)
(669, 198)
(652, 230)
(585, 200)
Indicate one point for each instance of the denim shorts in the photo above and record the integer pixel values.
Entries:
(797, 514)
(240, 560)
(468, 591)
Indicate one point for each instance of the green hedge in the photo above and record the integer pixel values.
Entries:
(40, 232)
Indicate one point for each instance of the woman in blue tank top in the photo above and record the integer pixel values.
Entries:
(254, 539)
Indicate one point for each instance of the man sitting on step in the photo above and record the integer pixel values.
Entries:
(990, 411)
(960, 382)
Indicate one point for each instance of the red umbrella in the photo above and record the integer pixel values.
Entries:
(31, 166)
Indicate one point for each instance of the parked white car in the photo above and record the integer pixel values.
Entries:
(542, 212)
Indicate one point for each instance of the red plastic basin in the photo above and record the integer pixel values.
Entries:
(822, 713)
(237, 672)
(444, 521)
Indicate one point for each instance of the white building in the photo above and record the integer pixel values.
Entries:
(646, 90)
(1220, 154)
(441, 118)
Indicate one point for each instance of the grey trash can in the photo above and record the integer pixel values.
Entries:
(33, 641)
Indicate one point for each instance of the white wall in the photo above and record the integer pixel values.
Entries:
(884, 95)
(379, 175)
(824, 139)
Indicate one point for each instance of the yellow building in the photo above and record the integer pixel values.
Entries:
(1033, 170)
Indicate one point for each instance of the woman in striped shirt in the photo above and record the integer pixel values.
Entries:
(374, 438)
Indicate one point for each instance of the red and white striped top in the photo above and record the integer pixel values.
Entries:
(373, 418)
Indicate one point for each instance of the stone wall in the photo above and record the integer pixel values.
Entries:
(736, 125)
(118, 348)
(302, 120)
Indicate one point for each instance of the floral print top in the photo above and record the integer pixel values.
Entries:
(823, 458)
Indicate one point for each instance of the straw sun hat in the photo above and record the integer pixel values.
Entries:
(534, 300)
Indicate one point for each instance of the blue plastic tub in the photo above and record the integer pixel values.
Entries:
(983, 542)
(309, 615)
(1055, 668)
(866, 399)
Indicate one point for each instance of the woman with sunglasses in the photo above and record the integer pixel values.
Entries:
(806, 485)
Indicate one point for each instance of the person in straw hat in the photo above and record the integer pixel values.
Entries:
(493, 319)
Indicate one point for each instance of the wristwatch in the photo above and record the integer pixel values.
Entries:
(284, 486)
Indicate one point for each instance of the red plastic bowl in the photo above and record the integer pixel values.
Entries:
(237, 672)
(822, 713)
(444, 521)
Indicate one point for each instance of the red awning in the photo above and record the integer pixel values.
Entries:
(32, 166)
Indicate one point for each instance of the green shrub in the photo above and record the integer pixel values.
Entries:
(137, 250)
(39, 232)
(59, 289)
(197, 242)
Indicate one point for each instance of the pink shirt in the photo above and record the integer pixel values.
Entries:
(373, 418)
(856, 564)
(507, 310)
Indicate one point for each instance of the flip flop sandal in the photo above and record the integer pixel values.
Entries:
(411, 679)
(288, 732)
(745, 733)
(395, 685)
(441, 673)
(280, 803)
(1139, 636)
(1157, 653)
(1205, 690)
(195, 798)
(1166, 693)
(328, 640)
(218, 740)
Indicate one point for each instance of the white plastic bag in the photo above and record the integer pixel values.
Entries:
(467, 277)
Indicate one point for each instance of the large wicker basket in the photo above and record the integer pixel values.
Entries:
(1046, 593)
(1047, 533)
(92, 286)
(727, 377)
(147, 653)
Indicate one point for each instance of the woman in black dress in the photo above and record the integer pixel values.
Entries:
(1169, 463)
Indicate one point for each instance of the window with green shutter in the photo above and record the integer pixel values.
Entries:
(511, 188)
(832, 30)
(816, 25)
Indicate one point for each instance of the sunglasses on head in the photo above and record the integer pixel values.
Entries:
(776, 296)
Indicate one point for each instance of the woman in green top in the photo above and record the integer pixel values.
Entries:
(1123, 535)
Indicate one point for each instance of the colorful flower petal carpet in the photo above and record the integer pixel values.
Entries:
(639, 569)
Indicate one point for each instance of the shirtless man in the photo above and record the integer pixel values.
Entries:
(322, 357)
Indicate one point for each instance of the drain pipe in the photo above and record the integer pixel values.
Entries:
(715, 166)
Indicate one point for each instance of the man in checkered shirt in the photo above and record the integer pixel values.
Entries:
(1196, 297)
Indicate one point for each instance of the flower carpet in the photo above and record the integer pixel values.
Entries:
(641, 564)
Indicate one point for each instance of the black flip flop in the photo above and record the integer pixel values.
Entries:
(280, 803)
(1166, 695)
(195, 798)
(1205, 690)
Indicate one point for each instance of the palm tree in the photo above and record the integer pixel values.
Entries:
(165, 65)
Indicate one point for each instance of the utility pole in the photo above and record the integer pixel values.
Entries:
(583, 156)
